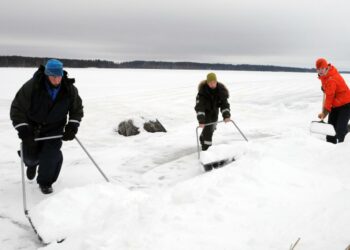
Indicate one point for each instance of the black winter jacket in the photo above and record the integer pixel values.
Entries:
(208, 102)
(33, 106)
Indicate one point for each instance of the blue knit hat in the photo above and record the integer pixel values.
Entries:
(54, 68)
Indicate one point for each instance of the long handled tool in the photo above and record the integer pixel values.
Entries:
(321, 127)
(222, 162)
(92, 159)
(24, 193)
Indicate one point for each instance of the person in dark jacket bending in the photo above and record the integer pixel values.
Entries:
(211, 96)
(40, 109)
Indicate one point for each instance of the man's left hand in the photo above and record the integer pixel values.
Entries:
(226, 120)
(70, 131)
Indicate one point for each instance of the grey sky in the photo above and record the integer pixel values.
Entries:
(291, 33)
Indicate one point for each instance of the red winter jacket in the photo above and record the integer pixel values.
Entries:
(335, 88)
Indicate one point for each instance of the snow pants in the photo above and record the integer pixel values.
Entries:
(339, 118)
(48, 155)
(206, 136)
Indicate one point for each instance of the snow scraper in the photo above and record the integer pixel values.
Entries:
(217, 156)
(26, 211)
(322, 128)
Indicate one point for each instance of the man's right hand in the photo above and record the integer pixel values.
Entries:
(322, 116)
(26, 134)
(201, 125)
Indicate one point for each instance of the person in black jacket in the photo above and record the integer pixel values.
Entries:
(211, 96)
(40, 109)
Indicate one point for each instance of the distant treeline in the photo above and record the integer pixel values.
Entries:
(208, 66)
(20, 61)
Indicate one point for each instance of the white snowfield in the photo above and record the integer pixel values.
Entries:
(285, 184)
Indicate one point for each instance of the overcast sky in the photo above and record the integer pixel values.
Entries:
(278, 32)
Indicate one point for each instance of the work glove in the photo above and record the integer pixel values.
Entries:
(30, 148)
(70, 130)
(26, 134)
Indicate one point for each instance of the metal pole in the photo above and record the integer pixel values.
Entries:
(26, 212)
(198, 149)
(239, 130)
(23, 183)
(93, 161)
(48, 138)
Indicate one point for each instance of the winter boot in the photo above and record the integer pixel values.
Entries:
(31, 172)
(46, 189)
(208, 167)
(204, 146)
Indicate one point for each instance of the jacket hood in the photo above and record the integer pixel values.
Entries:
(201, 85)
(221, 89)
(331, 72)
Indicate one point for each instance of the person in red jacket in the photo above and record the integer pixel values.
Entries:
(336, 99)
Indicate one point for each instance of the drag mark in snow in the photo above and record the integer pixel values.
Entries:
(18, 224)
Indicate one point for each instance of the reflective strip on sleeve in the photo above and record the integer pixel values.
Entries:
(207, 143)
(200, 113)
(74, 121)
(21, 124)
(225, 110)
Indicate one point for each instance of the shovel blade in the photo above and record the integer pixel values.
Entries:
(217, 164)
(322, 128)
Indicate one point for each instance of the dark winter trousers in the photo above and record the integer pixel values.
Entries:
(339, 118)
(206, 136)
(49, 157)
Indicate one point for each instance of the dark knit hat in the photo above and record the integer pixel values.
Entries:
(54, 67)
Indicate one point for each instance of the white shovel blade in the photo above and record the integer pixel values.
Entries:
(322, 128)
(222, 152)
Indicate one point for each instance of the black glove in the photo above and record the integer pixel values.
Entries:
(70, 130)
(26, 134)
(30, 149)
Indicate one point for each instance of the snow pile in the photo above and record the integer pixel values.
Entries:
(224, 151)
(281, 189)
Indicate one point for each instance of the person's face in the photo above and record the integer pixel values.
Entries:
(212, 84)
(55, 80)
(322, 71)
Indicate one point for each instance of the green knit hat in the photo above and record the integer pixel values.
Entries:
(211, 77)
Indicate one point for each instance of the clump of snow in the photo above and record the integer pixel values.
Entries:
(224, 151)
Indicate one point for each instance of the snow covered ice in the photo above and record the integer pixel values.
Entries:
(285, 184)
